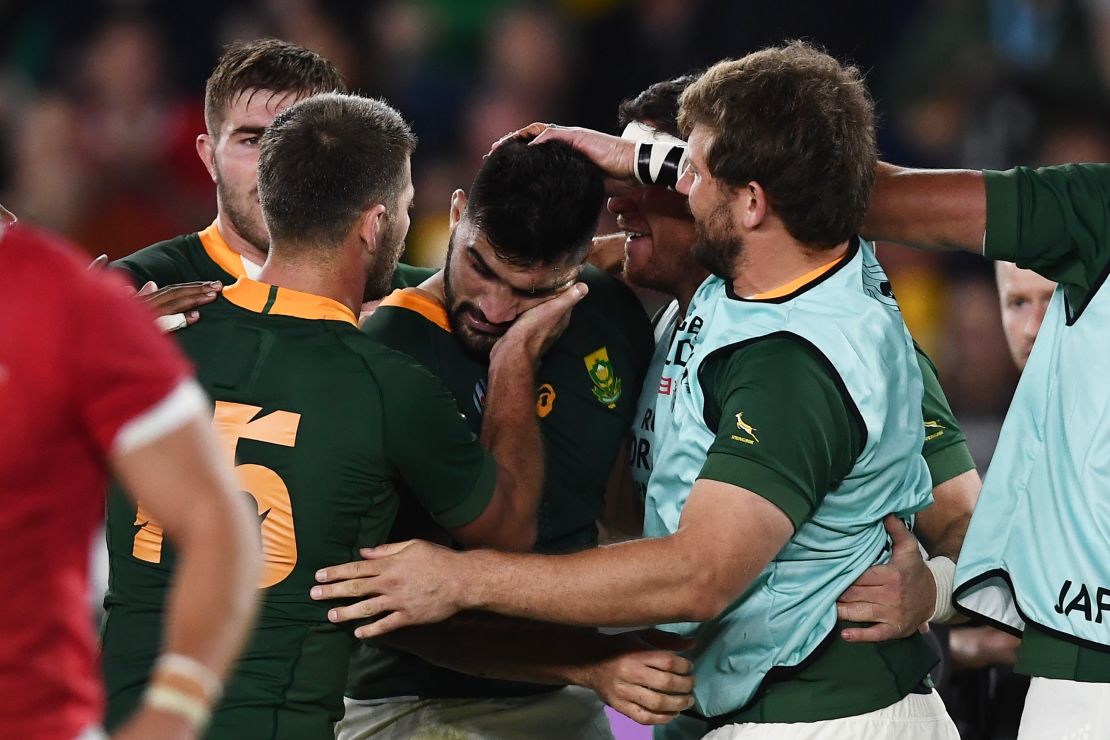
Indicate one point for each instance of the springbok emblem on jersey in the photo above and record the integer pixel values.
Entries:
(607, 386)
(746, 428)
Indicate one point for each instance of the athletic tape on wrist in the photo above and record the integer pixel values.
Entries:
(659, 156)
(944, 575)
(659, 163)
(168, 699)
(176, 664)
(171, 323)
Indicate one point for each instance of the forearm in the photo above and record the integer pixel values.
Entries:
(212, 602)
(623, 515)
(943, 525)
(493, 646)
(652, 581)
(930, 209)
(510, 431)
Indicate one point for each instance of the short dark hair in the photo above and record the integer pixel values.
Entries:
(537, 204)
(800, 124)
(265, 64)
(325, 160)
(657, 105)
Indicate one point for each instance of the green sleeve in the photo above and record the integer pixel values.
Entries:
(1054, 220)
(434, 451)
(945, 449)
(410, 276)
(157, 263)
(786, 428)
(405, 331)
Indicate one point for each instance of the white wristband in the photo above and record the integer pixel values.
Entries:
(182, 665)
(944, 575)
(169, 699)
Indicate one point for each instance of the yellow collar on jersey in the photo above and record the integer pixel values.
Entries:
(216, 246)
(420, 301)
(788, 288)
(274, 301)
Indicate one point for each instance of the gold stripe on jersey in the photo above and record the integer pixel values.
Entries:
(223, 255)
(793, 285)
(270, 299)
(422, 302)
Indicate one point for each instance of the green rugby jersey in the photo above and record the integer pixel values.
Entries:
(329, 430)
(945, 449)
(588, 384)
(205, 255)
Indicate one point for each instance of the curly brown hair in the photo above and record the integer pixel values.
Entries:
(799, 123)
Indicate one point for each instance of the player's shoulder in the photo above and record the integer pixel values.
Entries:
(407, 319)
(609, 302)
(33, 249)
(41, 264)
(392, 370)
(165, 262)
(608, 292)
(173, 248)
(610, 310)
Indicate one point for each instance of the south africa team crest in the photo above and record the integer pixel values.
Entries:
(607, 386)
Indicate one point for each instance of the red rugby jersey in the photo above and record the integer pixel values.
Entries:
(80, 360)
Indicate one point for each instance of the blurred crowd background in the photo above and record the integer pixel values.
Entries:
(101, 101)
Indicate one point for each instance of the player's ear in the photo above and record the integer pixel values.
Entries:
(750, 205)
(372, 226)
(458, 205)
(206, 150)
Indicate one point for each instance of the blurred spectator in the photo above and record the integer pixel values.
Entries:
(985, 696)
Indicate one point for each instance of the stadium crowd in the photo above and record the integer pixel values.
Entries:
(381, 294)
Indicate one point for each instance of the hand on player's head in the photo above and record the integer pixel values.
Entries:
(614, 155)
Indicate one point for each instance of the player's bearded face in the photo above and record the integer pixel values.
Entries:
(235, 161)
(718, 248)
(485, 295)
(238, 203)
(391, 246)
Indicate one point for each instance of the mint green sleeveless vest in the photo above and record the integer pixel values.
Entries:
(850, 317)
(1038, 548)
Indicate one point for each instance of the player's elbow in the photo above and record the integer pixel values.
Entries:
(705, 592)
(705, 601)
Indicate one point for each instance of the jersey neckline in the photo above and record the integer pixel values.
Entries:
(221, 253)
(420, 301)
(799, 285)
(272, 300)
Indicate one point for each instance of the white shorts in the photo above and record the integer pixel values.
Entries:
(571, 713)
(1056, 709)
(915, 717)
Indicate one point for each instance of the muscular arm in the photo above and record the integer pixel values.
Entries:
(943, 525)
(510, 429)
(930, 209)
(623, 516)
(646, 682)
(511, 433)
(726, 536)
